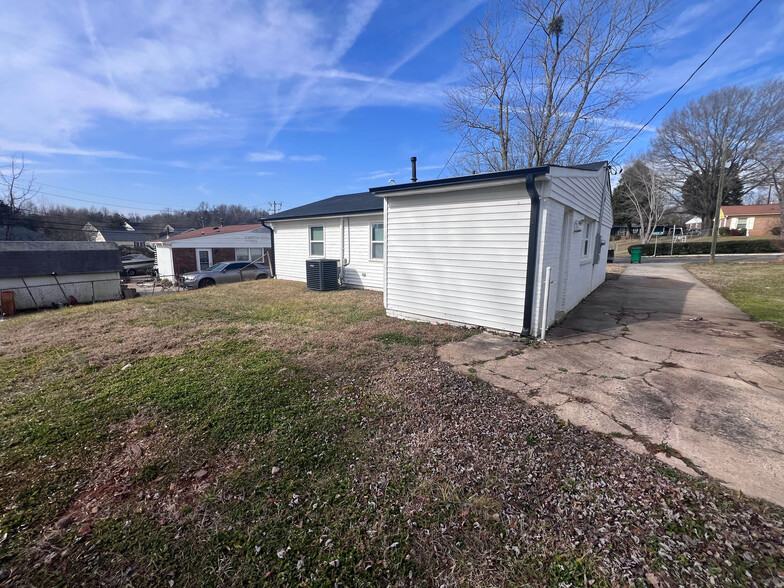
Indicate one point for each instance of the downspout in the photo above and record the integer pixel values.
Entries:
(533, 246)
(272, 247)
(342, 251)
(597, 249)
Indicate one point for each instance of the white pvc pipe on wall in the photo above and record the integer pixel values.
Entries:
(546, 300)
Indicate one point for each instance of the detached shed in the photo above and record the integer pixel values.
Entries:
(474, 250)
(43, 273)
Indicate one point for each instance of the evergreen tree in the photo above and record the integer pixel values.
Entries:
(699, 193)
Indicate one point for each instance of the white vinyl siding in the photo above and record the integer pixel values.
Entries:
(459, 257)
(571, 196)
(292, 249)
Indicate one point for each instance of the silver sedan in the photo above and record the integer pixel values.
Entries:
(225, 272)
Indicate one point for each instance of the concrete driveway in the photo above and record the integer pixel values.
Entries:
(665, 365)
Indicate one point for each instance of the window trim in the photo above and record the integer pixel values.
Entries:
(323, 240)
(586, 249)
(372, 242)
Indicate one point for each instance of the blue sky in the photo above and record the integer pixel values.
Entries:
(143, 105)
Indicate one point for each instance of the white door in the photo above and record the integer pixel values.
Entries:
(203, 259)
(567, 230)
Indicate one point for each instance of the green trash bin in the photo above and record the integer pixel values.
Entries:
(636, 253)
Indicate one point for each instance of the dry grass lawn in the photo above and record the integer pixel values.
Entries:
(260, 433)
(756, 288)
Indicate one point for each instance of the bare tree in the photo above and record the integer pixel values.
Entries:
(18, 191)
(555, 100)
(642, 194)
(482, 109)
(748, 120)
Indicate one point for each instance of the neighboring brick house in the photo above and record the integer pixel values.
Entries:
(758, 219)
(200, 248)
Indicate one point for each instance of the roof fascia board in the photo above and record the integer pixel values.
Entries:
(440, 189)
(317, 216)
(517, 175)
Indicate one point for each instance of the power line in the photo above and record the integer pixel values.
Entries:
(98, 195)
(506, 70)
(663, 106)
(55, 195)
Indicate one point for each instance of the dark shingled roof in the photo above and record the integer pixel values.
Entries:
(485, 177)
(337, 205)
(41, 258)
(20, 234)
(125, 236)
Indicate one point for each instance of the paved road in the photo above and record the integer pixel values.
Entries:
(664, 364)
(703, 258)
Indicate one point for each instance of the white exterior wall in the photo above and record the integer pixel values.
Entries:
(165, 260)
(259, 237)
(459, 255)
(46, 291)
(292, 248)
(572, 196)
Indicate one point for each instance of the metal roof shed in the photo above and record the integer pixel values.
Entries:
(42, 273)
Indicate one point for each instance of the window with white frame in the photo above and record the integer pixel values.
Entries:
(587, 248)
(377, 241)
(249, 254)
(316, 241)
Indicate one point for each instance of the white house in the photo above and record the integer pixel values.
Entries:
(43, 273)
(347, 227)
(469, 250)
(475, 250)
(198, 249)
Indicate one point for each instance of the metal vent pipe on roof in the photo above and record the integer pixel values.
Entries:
(413, 169)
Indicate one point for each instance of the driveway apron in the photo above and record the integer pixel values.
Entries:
(666, 366)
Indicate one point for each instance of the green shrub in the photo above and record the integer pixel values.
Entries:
(724, 231)
(738, 232)
(776, 231)
(703, 247)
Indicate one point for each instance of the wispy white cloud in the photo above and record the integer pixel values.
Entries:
(22, 147)
(275, 155)
(265, 156)
(307, 158)
(685, 22)
(749, 56)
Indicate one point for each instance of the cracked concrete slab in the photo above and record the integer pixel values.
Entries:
(663, 361)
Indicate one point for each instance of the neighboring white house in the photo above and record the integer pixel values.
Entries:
(200, 248)
(694, 224)
(43, 273)
(348, 228)
(474, 250)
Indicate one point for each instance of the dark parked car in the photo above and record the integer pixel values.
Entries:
(225, 272)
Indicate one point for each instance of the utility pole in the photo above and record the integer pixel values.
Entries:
(275, 206)
(718, 203)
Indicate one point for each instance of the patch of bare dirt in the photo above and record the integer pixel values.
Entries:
(774, 358)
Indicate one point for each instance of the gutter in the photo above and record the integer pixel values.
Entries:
(533, 247)
(272, 246)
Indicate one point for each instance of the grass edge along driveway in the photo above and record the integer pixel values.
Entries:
(757, 288)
